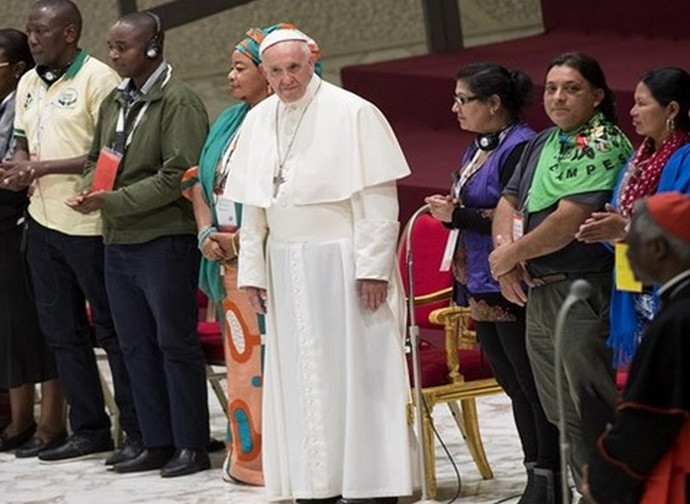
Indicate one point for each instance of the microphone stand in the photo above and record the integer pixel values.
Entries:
(579, 291)
(413, 331)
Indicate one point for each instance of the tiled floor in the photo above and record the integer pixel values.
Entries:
(88, 481)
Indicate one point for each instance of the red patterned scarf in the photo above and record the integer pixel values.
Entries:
(643, 172)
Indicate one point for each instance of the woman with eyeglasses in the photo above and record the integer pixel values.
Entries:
(488, 101)
(25, 358)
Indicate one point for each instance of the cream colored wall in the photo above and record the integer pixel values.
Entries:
(348, 31)
(486, 21)
(97, 14)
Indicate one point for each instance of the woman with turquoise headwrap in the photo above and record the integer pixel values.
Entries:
(218, 222)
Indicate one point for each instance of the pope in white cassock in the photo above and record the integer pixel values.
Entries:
(315, 167)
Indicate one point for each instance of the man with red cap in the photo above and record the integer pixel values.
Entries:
(644, 455)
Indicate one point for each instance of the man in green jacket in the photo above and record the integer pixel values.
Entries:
(150, 130)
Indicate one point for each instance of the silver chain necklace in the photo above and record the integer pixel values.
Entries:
(278, 179)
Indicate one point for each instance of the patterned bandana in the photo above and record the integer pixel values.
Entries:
(249, 46)
(643, 172)
(586, 160)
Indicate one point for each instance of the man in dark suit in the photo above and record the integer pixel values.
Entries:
(644, 454)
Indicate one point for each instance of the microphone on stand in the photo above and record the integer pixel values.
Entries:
(580, 290)
(413, 331)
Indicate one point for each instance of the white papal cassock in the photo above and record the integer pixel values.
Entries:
(336, 388)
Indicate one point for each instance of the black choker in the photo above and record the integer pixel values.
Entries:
(50, 75)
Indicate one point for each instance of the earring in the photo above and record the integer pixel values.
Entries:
(670, 124)
(492, 112)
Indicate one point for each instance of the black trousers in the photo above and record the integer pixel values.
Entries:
(66, 271)
(152, 288)
(504, 345)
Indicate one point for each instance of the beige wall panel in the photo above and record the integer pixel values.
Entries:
(486, 21)
(98, 16)
(348, 31)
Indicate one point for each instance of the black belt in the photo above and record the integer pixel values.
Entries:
(560, 277)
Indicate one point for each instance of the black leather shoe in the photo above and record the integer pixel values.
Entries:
(372, 500)
(328, 500)
(130, 449)
(148, 460)
(35, 445)
(186, 461)
(12, 442)
(77, 447)
(214, 445)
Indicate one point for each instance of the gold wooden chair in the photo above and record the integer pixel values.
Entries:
(458, 373)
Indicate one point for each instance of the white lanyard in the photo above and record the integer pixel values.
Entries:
(470, 169)
(120, 126)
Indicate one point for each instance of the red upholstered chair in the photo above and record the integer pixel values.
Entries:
(622, 377)
(211, 337)
(457, 373)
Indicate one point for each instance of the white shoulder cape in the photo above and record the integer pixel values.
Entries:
(344, 144)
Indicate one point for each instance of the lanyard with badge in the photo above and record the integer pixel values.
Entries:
(109, 158)
(519, 222)
(520, 217)
(459, 183)
(108, 162)
(227, 210)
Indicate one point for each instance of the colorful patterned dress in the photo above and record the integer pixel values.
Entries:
(242, 327)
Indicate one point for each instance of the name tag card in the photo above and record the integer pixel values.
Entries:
(625, 278)
(227, 214)
(106, 170)
(449, 251)
(518, 226)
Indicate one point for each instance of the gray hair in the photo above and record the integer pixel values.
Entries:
(647, 228)
(304, 47)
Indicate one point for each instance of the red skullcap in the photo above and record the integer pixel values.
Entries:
(671, 211)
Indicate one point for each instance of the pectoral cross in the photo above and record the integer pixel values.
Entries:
(278, 180)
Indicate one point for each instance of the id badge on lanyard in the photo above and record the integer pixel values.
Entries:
(449, 251)
(518, 225)
(106, 170)
(109, 159)
(226, 212)
(226, 208)
(625, 278)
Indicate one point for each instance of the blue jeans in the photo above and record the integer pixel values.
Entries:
(66, 271)
(152, 288)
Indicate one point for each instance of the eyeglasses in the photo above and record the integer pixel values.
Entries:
(464, 100)
(5, 63)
